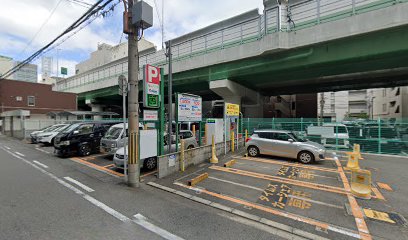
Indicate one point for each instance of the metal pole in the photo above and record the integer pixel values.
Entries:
(133, 102)
(170, 95)
(124, 128)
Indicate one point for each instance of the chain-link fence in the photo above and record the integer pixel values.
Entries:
(382, 136)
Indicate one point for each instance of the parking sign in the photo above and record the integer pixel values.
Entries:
(151, 86)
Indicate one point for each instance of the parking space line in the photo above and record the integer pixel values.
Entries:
(79, 160)
(148, 174)
(289, 164)
(41, 150)
(20, 154)
(94, 156)
(83, 186)
(377, 193)
(40, 164)
(7, 148)
(316, 186)
(292, 196)
(292, 216)
(355, 208)
(110, 165)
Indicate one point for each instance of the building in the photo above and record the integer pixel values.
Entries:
(28, 73)
(291, 106)
(391, 103)
(338, 106)
(106, 54)
(38, 98)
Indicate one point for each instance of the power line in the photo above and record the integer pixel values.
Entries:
(93, 11)
(39, 30)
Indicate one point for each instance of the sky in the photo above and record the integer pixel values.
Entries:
(28, 25)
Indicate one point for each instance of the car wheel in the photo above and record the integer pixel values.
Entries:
(253, 151)
(305, 157)
(85, 150)
(150, 163)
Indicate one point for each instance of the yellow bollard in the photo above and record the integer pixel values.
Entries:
(246, 134)
(356, 150)
(232, 141)
(361, 183)
(214, 158)
(194, 131)
(352, 163)
(182, 167)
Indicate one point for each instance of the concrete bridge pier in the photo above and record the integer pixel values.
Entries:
(250, 101)
(95, 108)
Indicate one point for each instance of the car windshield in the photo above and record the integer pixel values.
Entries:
(71, 128)
(297, 138)
(113, 133)
(61, 128)
(52, 128)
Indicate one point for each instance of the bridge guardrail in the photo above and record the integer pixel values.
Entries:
(291, 18)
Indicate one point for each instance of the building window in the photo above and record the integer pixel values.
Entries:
(31, 101)
(384, 107)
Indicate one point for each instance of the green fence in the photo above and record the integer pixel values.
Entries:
(382, 136)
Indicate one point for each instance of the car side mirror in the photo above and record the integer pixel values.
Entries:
(76, 132)
(290, 140)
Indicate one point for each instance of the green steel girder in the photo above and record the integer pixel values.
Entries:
(302, 67)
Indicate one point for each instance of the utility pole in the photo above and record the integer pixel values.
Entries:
(133, 102)
(170, 95)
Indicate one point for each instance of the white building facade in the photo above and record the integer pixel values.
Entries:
(28, 73)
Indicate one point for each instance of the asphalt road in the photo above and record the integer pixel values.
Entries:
(45, 197)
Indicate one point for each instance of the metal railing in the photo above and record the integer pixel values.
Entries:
(277, 19)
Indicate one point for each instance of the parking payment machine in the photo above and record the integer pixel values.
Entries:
(231, 118)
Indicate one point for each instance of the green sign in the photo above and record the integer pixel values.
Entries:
(210, 120)
(64, 71)
(152, 100)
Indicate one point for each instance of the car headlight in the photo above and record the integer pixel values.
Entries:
(65, 143)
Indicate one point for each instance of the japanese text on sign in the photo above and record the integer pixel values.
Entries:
(150, 115)
(189, 108)
(231, 109)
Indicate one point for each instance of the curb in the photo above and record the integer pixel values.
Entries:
(298, 234)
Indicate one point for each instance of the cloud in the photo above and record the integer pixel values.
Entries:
(180, 17)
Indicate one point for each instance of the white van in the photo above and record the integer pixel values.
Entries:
(114, 138)
(330, 134)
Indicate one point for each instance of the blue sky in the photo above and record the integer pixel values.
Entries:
(180, 17)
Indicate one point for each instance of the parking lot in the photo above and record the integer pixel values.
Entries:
(310, 200)
(100, 162)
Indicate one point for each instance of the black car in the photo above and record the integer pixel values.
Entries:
(81, 138)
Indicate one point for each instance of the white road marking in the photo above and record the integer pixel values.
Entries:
(83, 186)
(140, 220)
(41, 164)
(143, 222)
(20, 154)
(7, 147)
(41, 150)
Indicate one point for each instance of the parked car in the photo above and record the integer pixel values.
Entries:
(115, 138)
(47, 137)
(34, 134)
(148, 160)
(284, 144)
(81, 138)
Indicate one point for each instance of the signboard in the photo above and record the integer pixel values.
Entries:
(232, 109)
(189, 108)
(123, 86)
(172, 160)
(150, 115)
(151, 86)
(64, 71)
(212, 121)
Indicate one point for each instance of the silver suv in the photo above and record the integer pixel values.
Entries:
(284, 144)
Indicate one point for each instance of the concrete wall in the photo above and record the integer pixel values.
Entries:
(192, 157)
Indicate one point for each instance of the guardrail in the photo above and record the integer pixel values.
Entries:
(277, 19)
